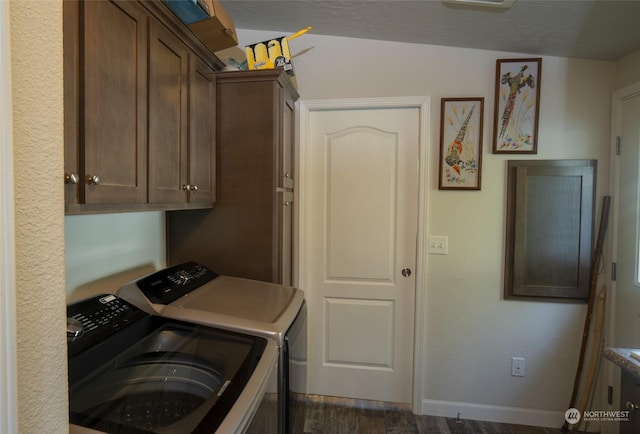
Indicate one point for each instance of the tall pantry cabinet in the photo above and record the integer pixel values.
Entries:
(248, 233)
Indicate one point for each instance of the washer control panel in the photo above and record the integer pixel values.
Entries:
(168, 285)
(92, 320)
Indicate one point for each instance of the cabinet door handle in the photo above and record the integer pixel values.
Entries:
(93, 179)
(71, 178)
(288, 176)
(288, 202)
(194, 188)
(189, 187)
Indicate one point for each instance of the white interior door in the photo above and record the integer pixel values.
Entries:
(362, 171)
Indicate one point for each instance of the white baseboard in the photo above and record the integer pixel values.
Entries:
(493, 413)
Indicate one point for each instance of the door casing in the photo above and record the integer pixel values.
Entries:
(611, 374)
(8, 319)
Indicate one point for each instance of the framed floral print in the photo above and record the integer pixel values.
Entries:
(517, 104)
(461, 121)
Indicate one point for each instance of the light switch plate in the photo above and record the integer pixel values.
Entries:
(438, 245)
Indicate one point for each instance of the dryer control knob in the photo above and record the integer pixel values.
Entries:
(75, 328)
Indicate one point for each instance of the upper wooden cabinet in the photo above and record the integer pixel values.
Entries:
(255, 122)
(139, 110)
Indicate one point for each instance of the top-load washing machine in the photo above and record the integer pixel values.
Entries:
(134, 373)
(192, 292)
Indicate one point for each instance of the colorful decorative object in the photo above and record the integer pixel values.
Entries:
(272, 54)
(461, 121)
(517, 104)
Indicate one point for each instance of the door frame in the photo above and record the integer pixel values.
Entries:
(612, 373)
(8, 320)
(305, 108)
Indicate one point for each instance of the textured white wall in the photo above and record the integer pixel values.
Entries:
(471, 332)
(36, 41)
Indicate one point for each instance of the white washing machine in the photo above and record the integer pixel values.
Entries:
(191, 292)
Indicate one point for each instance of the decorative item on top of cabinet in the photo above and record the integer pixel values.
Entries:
(248, 233)
(112, 71)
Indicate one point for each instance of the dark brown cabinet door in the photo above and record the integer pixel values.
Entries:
(202, 132)
(71, 104)
(168, 85)
(181, 122)
(113, 147)
(548, 240)
(285, 170)
(284, 258)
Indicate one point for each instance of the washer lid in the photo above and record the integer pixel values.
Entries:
(232, 303)
(241, 305)
(242, 298)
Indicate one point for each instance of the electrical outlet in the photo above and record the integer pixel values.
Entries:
(438, 245)
(517, 366)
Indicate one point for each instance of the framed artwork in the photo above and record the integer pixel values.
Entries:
(517, 103)
(461, 121)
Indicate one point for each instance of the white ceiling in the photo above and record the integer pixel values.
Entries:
(590, 29)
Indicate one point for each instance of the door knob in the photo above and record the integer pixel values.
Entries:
(406, 272)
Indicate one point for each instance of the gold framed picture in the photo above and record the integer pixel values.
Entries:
(461, 121)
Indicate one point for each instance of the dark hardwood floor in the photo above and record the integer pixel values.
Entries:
(330, 415)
